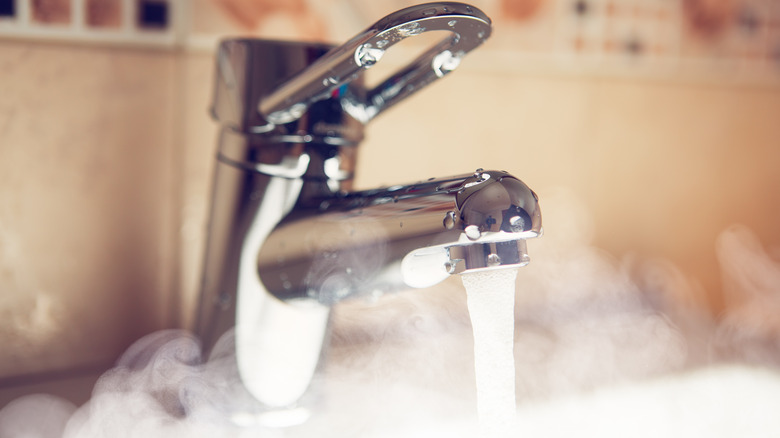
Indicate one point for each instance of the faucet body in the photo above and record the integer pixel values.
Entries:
(288, 238)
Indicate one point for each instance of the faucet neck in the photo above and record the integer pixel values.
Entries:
(248, 70)
(318, 147)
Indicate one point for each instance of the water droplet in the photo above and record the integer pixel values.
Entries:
(288, 115)
(286, 284)
(478, 173)
(444, 63)
(516, 223)
(410, 29)
(330, 81)
(429, 12)
(481, 34)
(381, 44)
(367, 55)
(349, 270)
(449, 267)
(324, 205)
(223, 300)
(472, 232)
(493, 260)
(373, 296)
(297, 110)
(449, 220)
(452, 23)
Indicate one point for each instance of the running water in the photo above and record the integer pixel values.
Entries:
(491, 299)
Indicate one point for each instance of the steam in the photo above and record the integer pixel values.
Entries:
(603, 347)
(336, 271)
(35, 416)
(158, 388)
(581, 322)
(751, 278)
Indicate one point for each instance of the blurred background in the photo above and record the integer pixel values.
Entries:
(661, 118)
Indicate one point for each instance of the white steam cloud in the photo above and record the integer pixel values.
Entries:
(595, 355)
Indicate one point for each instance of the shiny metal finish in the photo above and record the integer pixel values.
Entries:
(248, 70)
(467, 26)
(379, 241)
(288, 239)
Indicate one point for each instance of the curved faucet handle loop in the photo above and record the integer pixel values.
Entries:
(469, 26)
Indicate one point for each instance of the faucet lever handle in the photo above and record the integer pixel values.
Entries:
(469, 26)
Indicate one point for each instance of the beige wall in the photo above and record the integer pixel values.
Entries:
(88, 203)
(106, 155)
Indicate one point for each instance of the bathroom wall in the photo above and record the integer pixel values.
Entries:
(88, 202)
(666, 133)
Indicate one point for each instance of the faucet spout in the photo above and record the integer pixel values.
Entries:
(401, 237)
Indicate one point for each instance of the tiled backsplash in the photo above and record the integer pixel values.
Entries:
(713, 38)
(135, 22)
(741, 37)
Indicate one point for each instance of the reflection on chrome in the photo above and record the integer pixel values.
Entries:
(288, 239)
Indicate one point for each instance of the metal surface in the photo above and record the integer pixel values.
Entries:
(287, 239)
(468, 28)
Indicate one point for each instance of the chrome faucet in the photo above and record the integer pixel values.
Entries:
(288, 239)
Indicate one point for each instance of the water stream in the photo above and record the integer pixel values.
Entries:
(491, 298)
